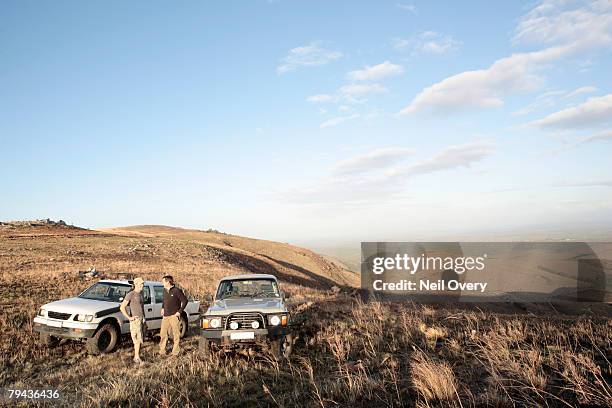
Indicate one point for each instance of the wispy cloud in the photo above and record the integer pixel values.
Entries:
(590, 183)
(565, 31)
(335, 121)
(305, 56)
(350, 93)
(451, 157)
(320, 98)
(430, 42)
(580, 91)
(407, 7)
(360, 90)
(382, 174)
(375, 159)
(376, 72)
(551, 98)
(604, 136)
(593, 112)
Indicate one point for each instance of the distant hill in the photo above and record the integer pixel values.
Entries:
(265, 256)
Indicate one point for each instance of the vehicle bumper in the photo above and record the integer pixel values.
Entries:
(64, 329)
(260, 335)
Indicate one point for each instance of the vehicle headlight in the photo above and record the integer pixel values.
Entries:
(255, 324)
(84, 318)
(42, 312)
(211, 322)
(275, 320)
(234, 325)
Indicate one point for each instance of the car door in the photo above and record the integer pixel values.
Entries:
(148, 304)
(158, 296)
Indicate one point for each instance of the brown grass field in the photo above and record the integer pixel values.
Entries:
(346, 352)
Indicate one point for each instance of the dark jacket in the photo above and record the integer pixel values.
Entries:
(174, 301)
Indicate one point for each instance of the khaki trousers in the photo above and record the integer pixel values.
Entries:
(137, 330)
(170, 323)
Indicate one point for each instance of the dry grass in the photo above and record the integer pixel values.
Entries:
(346, 353)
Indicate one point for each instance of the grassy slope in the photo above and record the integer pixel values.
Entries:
(346, 352)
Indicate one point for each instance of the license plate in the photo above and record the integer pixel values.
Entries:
(54, 324)
(242, 336)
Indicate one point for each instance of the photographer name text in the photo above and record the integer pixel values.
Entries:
(429, 285)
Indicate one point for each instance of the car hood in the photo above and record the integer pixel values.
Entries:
(261, 305)
(79, 305)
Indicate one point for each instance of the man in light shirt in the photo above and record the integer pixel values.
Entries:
(136, 317)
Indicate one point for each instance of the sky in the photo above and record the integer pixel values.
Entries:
(309, 121)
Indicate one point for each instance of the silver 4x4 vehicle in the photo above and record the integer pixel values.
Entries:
(94, 316)
(247, 310)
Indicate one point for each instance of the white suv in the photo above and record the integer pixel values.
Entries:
(94, 316)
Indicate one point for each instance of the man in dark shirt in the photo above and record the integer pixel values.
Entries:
(173, 304)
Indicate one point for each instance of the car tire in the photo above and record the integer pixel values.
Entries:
(46, 340)
(282, 347)
(104, 341)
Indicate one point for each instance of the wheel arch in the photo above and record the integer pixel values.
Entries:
(112, 320)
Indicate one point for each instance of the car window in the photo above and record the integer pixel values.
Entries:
(159, 293)
(107, 291)
(146, 295)
(247, 288)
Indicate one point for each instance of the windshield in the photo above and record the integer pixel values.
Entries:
(248, 288)
(106, 291)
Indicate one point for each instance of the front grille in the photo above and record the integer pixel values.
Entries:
(245, 320)
(58, 315)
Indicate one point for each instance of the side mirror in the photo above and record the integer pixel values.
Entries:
(208, 297)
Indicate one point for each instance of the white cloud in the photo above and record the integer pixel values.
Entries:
(320, 98)
(552, 22)
(375, 159)
(427, 42)
(484, 88)
(337, 120)
(566, 31)
(375, 72)
(595, 111)
(407, 7)
(308, 55)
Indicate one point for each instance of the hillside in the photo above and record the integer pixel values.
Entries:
(346, 353)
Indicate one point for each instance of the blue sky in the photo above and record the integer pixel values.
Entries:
(309, 121)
